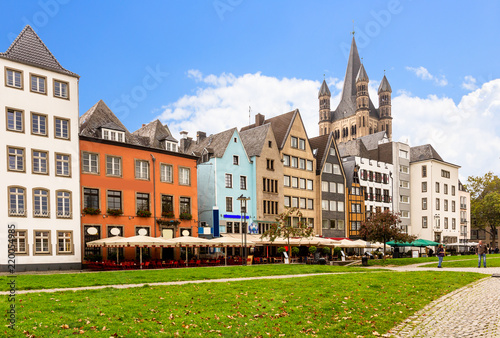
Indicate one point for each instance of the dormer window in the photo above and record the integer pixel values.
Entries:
(171, 146)
(113, 135)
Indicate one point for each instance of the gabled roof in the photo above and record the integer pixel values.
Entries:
(349, 166)
(423, 153)
(100, 116)
(354, 147)
(384, 86)
(154, 132)
(320, 143)
(29, 49)
(215, 144)
(371, 141)
(253, 139)
(324, 90)
(281, 125)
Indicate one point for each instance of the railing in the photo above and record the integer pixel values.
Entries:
(41, 213)
(17, 212)
(64, 214)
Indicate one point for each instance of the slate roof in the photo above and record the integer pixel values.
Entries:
(362, 76)
(253, 139)
(384, 86)
(29, 49)
(154, 132)
(324, 90)
(354, 147)
(281, 125)
(423, 153)
(349, 172)
(320, 143)
(215, 144)
(371, 141)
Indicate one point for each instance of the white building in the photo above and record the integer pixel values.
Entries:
(39, 190)
(435, 195)
(375, 178)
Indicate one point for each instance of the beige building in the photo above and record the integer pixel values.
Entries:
(260, 145)
(299, 164)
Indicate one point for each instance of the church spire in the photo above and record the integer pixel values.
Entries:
(353, 65)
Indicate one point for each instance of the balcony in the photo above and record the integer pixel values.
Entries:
(17, 212)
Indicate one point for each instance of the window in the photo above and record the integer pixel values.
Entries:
(38, 124)
(340, 224)
(336, 169)
(333, 205)
(445, 174)
(63, 204)
(404, 169)
(286, 160)
(405, 214)
(438, 203)
(295, 202)
(403, 153)
(424, 203)
(42, 242)
(90, 163)
(309, 165)
(286, 181)
(424, 186)
(16, 159)
(302, 182)
(40, 203)
(167, 204)
(295, 162)
(20, 242)
(310, 185)
(61, 89)
(166, 173)
(453, 224)
(326, 224)
(356, 208)
(142, 169)
(404, 184)
(114, 200)
(243, 182)
(229, 204)
(302, 144)
(445, 189)
(63, 164)
(437, 187)
(424, 171)
(327, 168)
(90, 198)
(302, 203)
(61, 128)
(38, 84)
(142, 201)
(295, 182)
(228, 179)
(287, 201)
(270, 144)
(229, 227)
(270, 164)
(14, 78)
(452, 190)
(452, 206)
(324, 186)
(310, 204)
(445, 206)
(340, 188)
(236, 160)
(170, 146)
(302, 163)
(17, 201)
(340, 206)
(64, 242)
(404, 199)
(294, 142)
(39, 162)
(446, 222)
(324, 205)
(15, 120)
(185, 205)
(113, 135)
(184, 176)
(113, 166)
(424, 222)
(333, 187)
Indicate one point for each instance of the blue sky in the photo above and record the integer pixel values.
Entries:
(200, 65)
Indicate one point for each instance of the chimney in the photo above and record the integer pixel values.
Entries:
(200, 136)
(143, 124)
(184, 134)
(259, 119)
(185, 143)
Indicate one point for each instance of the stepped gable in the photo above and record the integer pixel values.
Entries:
(29, 49)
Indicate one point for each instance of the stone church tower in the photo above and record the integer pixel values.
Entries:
(355, 116)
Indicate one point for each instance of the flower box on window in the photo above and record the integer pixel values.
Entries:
(168, 214)
(91, 211)
(185, 216)
(143, 213)
(114, 212)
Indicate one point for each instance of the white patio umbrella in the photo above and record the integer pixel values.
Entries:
(108, 241)
(191, 242)
(228, 242)
(346, 243)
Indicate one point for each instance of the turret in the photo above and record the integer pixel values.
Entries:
(324, 96)
(384, 102)
(362, 103)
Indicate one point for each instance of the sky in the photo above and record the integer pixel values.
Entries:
(212, 65)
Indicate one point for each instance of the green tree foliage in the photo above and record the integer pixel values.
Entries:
(485, 202)
(284, 228)
(383, 226)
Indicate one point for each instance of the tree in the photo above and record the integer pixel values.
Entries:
(485, 202)
(383, 226)
(284, 227)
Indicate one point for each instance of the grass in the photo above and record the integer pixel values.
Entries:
(409, 261)
(325, 306)
(491, 262)
(45, 281)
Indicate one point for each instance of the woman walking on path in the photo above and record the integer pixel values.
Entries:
(481, 252)
(440, 253)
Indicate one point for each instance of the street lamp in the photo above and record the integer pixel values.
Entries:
(243, 209)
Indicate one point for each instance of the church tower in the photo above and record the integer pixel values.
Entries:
(384, 102)
(324, 96)
(362, 103)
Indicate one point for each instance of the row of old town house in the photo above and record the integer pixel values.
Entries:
(70, 179)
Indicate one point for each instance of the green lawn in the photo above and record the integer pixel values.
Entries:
(347, 305)
(492, 261)
(36, 282)
(409, 261)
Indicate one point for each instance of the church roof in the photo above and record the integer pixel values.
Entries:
(29, 49)
(362, 76)
(384, 86)
(324, 90)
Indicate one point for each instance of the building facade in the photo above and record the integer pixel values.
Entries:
(39, 158)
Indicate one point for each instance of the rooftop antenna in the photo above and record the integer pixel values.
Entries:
(353, 32)
(249, 110)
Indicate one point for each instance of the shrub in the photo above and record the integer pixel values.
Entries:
(185, 216)
(168, 214)
(281, 250)
(143, 213)
(295, 251)
(114, 212)
(336, 252)
(326, 250)
(91, 211)
(312, 249)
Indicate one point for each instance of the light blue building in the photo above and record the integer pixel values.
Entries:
(225, 173)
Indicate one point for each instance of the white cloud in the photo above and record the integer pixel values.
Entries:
(469, 83)
(423, 73)
(466, 134)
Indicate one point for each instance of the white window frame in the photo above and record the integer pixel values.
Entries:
(142, 169)
(228, 180)
(113, 135)
(40, 84)
(40, 162)
(243, 182)
(166, 173)
(61, 89)
(310, 185)
(184, 176)
(63, 204)
(41, 207)
(309, 165)
(66, 238)
(18, 155)
(41, 237)
(113, 166)
(63, 164)
(14, 78)
(61, 128)
(16, 118)
(17, 201)
(41, 120)
(90, 162)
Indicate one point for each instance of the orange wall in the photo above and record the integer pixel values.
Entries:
(129, 186)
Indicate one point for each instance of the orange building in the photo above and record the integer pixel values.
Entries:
(129, 180)
(355, 200)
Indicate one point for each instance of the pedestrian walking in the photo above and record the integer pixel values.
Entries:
(440, 253)
(481, 250)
